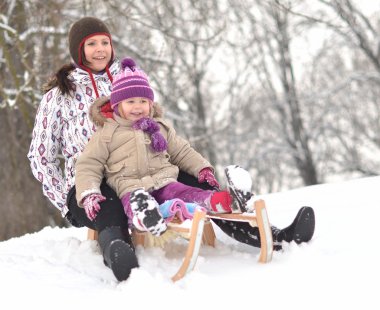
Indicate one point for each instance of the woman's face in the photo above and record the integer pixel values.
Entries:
(98, 52)
(135, 108)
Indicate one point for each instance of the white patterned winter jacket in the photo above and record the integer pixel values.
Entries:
(62, 128)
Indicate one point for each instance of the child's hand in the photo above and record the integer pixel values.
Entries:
(91, 205)
(206, 175)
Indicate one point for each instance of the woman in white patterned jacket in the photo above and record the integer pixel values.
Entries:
(62, 126)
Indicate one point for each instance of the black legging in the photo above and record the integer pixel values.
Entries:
(111, 212)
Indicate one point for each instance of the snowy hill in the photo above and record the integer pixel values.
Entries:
(339, 269)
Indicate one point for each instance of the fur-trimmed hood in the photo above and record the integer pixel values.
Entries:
(101, 109)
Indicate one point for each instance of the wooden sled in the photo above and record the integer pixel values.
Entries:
(201, 231)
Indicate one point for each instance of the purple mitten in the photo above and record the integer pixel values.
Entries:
(206, 175)
(91, 205)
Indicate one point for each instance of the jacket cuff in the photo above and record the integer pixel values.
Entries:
(85, 193)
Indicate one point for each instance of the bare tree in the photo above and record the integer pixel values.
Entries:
(358, 29)
(269, 38)
(351, 65)
(22, 206)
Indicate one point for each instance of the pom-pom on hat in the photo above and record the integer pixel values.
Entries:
(82, 30)
(130, 82)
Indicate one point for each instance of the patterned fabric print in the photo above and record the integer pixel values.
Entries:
(62, 128)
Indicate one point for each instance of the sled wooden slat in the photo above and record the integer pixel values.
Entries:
(195, 241)
(92, 234)
(201, 232)
(266, 240)
(237, 217)
(208, 237)
(260, 219)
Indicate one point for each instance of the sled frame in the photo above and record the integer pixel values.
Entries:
(201, 231)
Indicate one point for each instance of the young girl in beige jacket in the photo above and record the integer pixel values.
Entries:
(140, 155)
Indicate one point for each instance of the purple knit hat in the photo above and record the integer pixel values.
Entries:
(130, 82)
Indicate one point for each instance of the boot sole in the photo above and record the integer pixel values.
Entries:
(239, 199)
(146, 216)
(304, 228)
(122, 259)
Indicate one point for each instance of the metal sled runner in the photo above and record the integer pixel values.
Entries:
(201, 231)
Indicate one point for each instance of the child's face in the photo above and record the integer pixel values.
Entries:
(98, 52)
(135, 108)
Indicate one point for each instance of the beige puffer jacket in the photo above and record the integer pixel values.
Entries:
(124, 156)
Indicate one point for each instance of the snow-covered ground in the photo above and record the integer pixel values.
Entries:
(339, 269)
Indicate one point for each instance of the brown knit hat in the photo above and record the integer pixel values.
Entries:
(80, 31)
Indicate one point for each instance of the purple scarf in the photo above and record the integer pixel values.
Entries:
(149, 126)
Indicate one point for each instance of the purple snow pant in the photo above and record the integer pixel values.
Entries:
(175, 190)
(185, 193)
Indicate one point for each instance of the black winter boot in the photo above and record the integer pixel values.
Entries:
(301, 230)
(118, 251)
